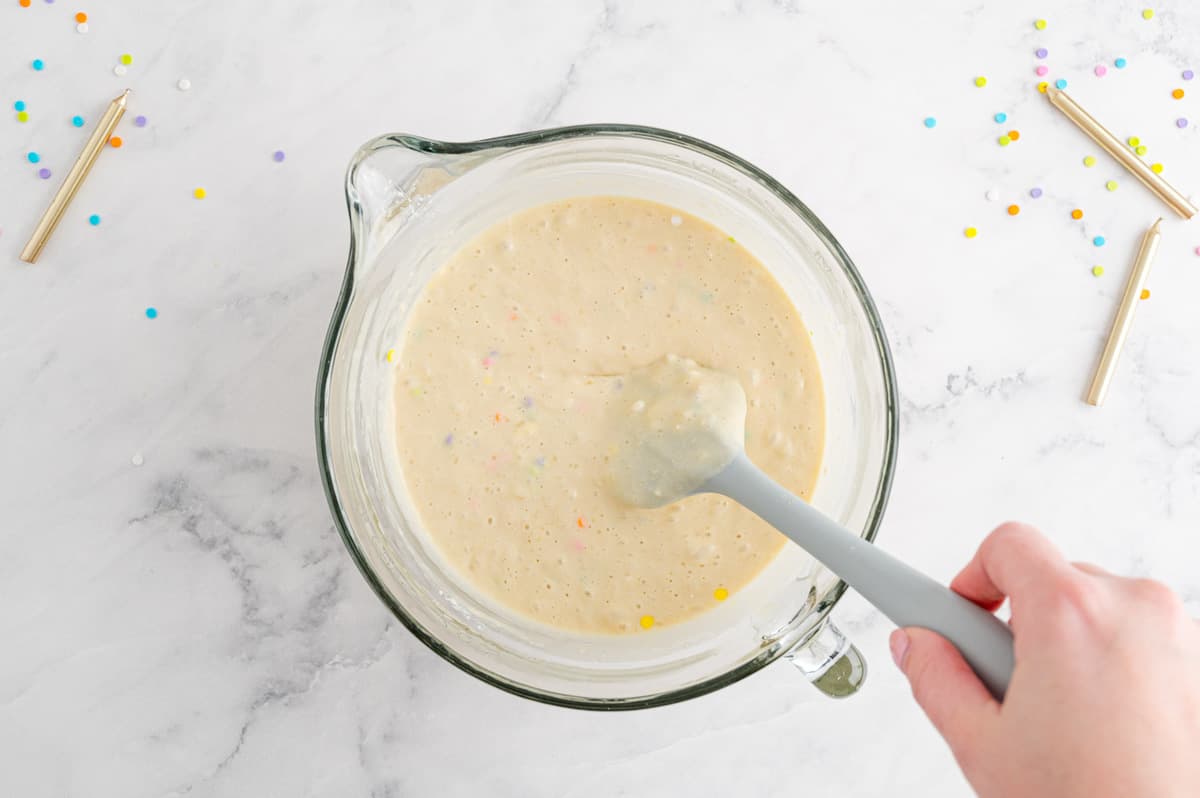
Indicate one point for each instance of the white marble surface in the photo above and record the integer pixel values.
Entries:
(192, 625)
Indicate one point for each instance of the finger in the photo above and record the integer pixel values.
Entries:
(1093, 570)
(956, 702)
(1014, 560)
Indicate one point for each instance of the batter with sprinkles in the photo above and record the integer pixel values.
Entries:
(510, 368)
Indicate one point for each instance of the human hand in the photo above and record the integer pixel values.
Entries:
(1105, 696)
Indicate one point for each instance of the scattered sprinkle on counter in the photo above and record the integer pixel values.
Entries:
(1120, 63)
(38, 64)
(1111, 185)
(116, 142)
(992, 194)
(1040, 24)
(1060, 84)
(152, 313)
(1156, 168)
(77, 121)
(1098, 241)
(23, 3)
(1077, 214)
(1133, 141)
(183, 84)
(1101, 70)
(137, 459)
(981, 81)
(1181, 122)
(1043, 86)
(33, 157)
(82, 27)
(971, 232)
(140, 121)
(930, 122)
(1013, 210)
(1013, 135)
(126, 59)
(278, 156)
(1141, 149)
(390, 356)
(1041, 70)
(94, 219)
(720, 594)
(1001, 118)
(1188, 74)
(119, 70)
(44, 173)
(1004, 140)
(647, 621)
(1035, 192)
(1177, 94)
(199, 193)
(1041, 52)
(1097, 271)
(81, 17)
(1145, 293)
(1089, 161)
(1148, 13)
(19, 105)
(22, 116)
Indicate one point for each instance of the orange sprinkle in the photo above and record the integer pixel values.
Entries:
(81, 17)
(1013, 210)
(1076, 214)
(1145, 293)
(24, 3)
(1014, 134)
(581, 522)
(115, 141)
(1177, 94)
(499, 417)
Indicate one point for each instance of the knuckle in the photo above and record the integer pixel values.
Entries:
(1157, 595)
(1075, 598)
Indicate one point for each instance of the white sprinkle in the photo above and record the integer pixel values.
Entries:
(119, 70)
(82, 27)
(676, 220)
(638, 406)
(184, 84)
(137, 459)
(992, 195)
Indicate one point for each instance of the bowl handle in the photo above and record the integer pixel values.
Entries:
(830, 662)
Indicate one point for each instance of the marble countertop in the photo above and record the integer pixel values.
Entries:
(178, 615)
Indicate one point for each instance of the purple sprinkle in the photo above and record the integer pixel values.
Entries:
(527, 401)
(44, 173)
(1041, 52)
(1188, 74)
(449, 439)
(540, 462)
(1181, 122)
(493, 353)
(140, 121)
(1035, 192)
(278, 156)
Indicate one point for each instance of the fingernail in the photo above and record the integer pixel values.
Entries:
(898, 643)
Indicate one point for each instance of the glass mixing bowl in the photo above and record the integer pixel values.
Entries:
(413, 202)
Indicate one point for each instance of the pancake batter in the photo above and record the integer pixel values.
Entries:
(508, 377)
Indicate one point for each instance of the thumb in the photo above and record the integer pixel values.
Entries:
(956, 702)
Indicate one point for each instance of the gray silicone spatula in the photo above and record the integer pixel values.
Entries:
(683, 433)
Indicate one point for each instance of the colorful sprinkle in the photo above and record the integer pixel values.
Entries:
(1177, 94)
(1098, 241)
(94, 219)
(1188, 74)
(1141, 149)
(1101, 70)
(23, 3)
(1145, 293)
(126, 59)
(22, 116)
(199, 193)
(930, 122)
(449, 439)
(1041, 70)
(1013, 210)
(19, 105)
(1097, 271)
(1148, 13)
(647, 621)
(1001, 118)
(720, 594)
(152, 313)
(44, 173)
(390, 356)
(115, 141)
(33, 157)
(139, 121)
(1060, 84)
(1089, 161)
(1111, 185)
(1181, 122)
(1035, 192)
(1014, 134)
(1004, 141)
(38, 64)
(527, 402)
(82, 27)
(581, 522)
(970, 232)
(1043, 86)
(1120, 63)
(77, 121)
(1076, 214)
(981, 81)
(1040, 24)
(1041, 52)
(183, 84)
(119, 70)
(137, 459)
(1133, 141)
(1156, 168)
(81, 17)
(278, 156)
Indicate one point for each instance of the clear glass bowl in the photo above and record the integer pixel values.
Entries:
(413, 202)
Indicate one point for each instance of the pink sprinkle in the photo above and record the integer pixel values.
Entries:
(1101, 70)
(487, 362)
(1042, 69)
(578, 545)
(1198, 250)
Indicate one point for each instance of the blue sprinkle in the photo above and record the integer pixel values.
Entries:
(1060, 84)
(1120, 63)
(19, 105)
(33, 157)
(77, 121)
(930, 122)
(1098, 241)
(94, 219)
(152, 313)
(39, 64)
(1001, 117)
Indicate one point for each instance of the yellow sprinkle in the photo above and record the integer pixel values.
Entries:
(647, 621)
(1097, 270)
(1111, 185)
(731, 240)
(720, 594)
(970, 232)
(391, 355)
(1140, 149)
(1004, 141)
(415, 391)
(981, 81)
(1156, 168)
(199, 193)
(1145, 293)
(126, 59)
(1040, 24)
(1043, 86)
(487, 380)
(22, 116)
(1148, 13)
(1134, 141)
(1089, 161)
